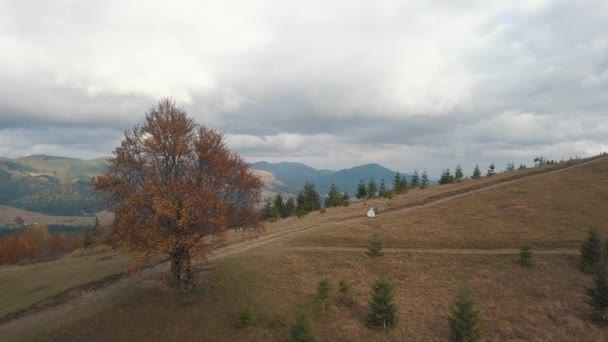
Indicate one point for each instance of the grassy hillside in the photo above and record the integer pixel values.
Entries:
(65, 168)
(50, 185)
(438, 244)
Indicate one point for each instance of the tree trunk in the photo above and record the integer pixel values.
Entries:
(181, 267)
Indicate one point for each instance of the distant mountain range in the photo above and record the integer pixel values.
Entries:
(296, 174)
(62, 186)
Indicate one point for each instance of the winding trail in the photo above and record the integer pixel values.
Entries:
(82, 298)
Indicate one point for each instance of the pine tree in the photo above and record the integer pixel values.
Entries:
(446, 177)
(522, 166)
(290, 207)
(308, 199)
(526, 258)
(397, 183)
(375, 248)
(279, 205)
(334, 197)
(382, 308)
(458, 175)
(476, 172)
(372, 188)
(592, 253)
(323, 292)
(403, 184)
(382, 190)
(415, 180)
(598, 295)
(345, 289)
(301, 331)
(464, 321)
(491, 170)
(424, 180)
(345, 199)
(510, 166)
(361, 190)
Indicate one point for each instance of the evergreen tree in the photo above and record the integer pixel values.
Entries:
(323, 292)
(382, 308)
(308, 199)
(464, 321)
(382, 191)
(334, 197)
(290, 207)
(510, 166)
(361, 190)
(446, 177)
(522, 166)
(345, 289)
(415, 180)
(345, 199)
(397, 183)
(403, 184)
(592, 253)
(279, 205)
(372, 188)
(476, 172)
(301, 331)
(458, 175)
(491, 170)
(598, 295)
(424, 180)
(375, 248)
(269, 212)
(526, 258)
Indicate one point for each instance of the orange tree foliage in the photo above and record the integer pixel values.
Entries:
(36, 244)
(174, 183)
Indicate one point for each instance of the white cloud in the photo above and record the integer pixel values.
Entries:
(407, 83)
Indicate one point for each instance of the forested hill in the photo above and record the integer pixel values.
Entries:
(50, 185)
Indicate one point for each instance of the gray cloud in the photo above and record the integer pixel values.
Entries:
(416, 84)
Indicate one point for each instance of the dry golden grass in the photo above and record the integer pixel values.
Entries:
(542, 303)
(552, 210)
(278, 279)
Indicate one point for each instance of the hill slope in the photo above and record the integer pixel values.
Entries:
(440, 238)
(49, 185)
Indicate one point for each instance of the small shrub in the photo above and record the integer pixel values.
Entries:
(323, 291)
(464, 321)
(301, 331)
(245, 317)
(382, 309)
(598, 295)
(526, 258)
(375, 248)
(592, 252)
(346, 296)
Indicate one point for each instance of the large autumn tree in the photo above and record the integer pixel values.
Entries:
(173, 183)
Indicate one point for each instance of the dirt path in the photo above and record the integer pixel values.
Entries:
(156, 273)
(498, 251)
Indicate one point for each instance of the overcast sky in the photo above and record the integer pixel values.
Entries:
(333, 84)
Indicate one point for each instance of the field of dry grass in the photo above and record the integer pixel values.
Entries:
(543, 303)
(551, 211)
(548, 211)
